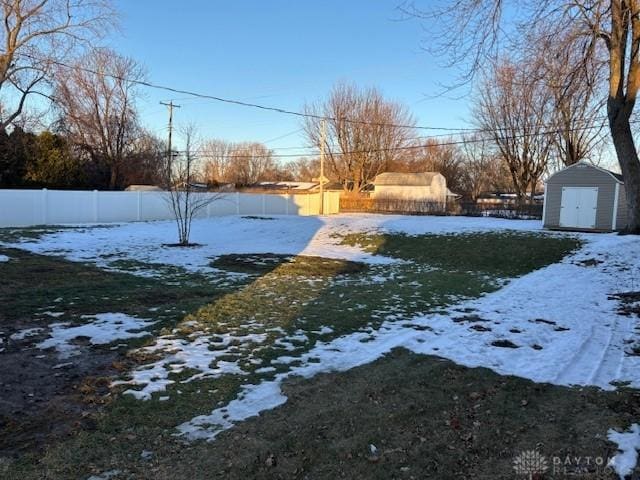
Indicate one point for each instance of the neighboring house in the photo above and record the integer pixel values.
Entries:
(427, 187)
(585, 197)
(143, 188)
(500, 198)
(289, 186)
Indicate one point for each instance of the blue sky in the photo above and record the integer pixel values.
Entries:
(278, 52)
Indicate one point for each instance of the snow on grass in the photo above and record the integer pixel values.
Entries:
(253, 399)
(557, 325)
(26, 333)
(628, 445)
(145, 241)
(106, 328)
(179, 355)
(4, 258)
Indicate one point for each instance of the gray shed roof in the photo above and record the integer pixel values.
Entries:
(616, 176)
(405, 179)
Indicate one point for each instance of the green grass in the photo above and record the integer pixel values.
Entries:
(278, 292)
(500, 254)
(31, 284)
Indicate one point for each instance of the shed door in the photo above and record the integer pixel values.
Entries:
(578, 207)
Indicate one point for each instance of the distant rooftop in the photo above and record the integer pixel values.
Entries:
(405, 179)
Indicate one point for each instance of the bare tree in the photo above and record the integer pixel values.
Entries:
(243, 163)
(364, 132)
(98, 109)
(36, 35)
(184, 197)
(516, 118)
(147, 162)
(251, 162)
(606, 31)
(431, 155)
(304, 168)
(479, 164)
(218, 161)
(577, 120)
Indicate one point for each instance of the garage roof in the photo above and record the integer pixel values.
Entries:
(405, 179)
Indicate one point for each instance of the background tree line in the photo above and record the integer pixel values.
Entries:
(534, 110)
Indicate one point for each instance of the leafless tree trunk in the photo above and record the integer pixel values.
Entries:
(35, 34)
(473, 31)
(98, 111)
(183, 197)
(364, 132)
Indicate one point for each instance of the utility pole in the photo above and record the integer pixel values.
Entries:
(171, 106)
(323, 139)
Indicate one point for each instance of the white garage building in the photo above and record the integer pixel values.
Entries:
(426, 187)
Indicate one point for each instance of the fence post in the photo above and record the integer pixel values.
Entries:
(139, 206)
(95, 206)
(287, 199)
(43, 206)
(238, 203)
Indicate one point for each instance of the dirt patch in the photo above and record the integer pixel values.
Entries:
(182, 245)
(590, 262)
(302, 265)
(469, 318)
(504, 344)
(629, 303)
(257, 217)
(44, 397)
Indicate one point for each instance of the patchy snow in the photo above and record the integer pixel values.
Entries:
(180, 354)
(316, 236)
(106, 328)
(561, 320)
(558, 324)
(4, 258)
(252, 400)
(628, 445)
(26, 333)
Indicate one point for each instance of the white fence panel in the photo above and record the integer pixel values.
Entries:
(62, 206)
(20, 208)
(118, 207)
(154, 206)
(226, 204)
(250, 204)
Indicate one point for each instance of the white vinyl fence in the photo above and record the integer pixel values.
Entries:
(21, 208)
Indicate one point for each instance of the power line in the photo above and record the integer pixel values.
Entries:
(284, 111)
(459, 131)
(410, 147)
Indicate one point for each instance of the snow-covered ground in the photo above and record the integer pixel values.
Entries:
(557, 324)
(628, 444)
(145, 242)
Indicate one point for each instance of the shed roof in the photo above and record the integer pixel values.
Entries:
(616, 176)
(405, 179)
